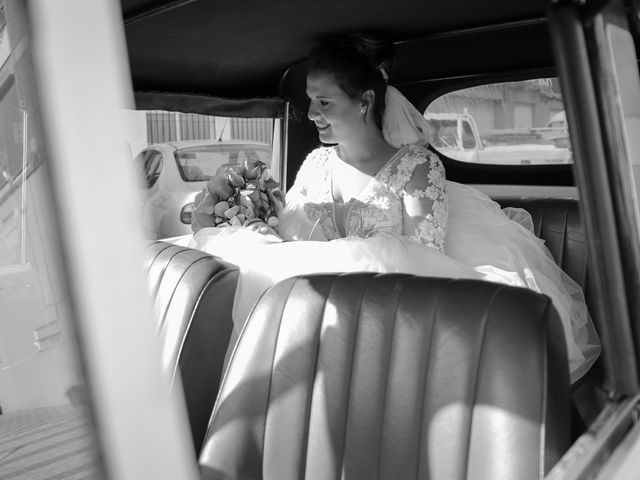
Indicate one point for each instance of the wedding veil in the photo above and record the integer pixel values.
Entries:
(402, 123)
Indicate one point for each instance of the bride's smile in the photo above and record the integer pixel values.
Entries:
(335, 115)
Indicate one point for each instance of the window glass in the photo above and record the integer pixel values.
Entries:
(627, 78)
(180, 152)
(467, 136)
(152, 165)
(199, 164)
(513, 123)
(45, 426)
(444, 131)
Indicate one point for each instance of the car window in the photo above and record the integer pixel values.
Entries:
(152, 165)
(468, 141)
(444, 131)
(203, 143)
(512, 123)
(10, 132)
(175, 152)
(197, 164)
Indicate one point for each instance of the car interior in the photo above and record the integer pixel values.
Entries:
(402, 396)
(366, 375)
(196, 290)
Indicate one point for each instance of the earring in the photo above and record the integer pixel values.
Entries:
(363, 114)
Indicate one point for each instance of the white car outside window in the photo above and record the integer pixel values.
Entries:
(174, 172)
(492, 124)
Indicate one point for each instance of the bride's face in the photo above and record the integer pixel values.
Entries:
(336, 116)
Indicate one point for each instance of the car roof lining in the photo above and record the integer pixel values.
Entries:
(241, 49)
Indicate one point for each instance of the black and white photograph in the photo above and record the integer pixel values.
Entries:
(338, 240)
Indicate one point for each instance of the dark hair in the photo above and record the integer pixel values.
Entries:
(356, 61)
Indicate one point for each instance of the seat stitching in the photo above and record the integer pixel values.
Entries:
(157, 254)
(175, 287)
(354, 346)
(545, 396)
(388, 365)
(584, 257)
(485, 321)
(204, 289)
(543, 209)
(563, 245)
(223, 380)
(295, 281)
(305, 436)
(161, 275)
(427, 371)
(162, 269)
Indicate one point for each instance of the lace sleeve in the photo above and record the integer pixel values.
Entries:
(310, 177)
(425, 206)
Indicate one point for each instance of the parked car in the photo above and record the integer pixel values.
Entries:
(457, 136)
(558, 122)
(106, 344)
(174, 172)
(556, 130)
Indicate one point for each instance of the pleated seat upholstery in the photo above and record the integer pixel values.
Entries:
(366, 376)
(557, 221)
(193, 296)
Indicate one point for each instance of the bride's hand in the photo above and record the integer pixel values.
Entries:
(259, 226)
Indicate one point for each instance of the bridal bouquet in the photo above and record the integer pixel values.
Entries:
(240, 196)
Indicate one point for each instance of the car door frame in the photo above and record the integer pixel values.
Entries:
(604, 175)
(83, 82)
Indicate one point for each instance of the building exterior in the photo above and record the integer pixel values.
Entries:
(171, 126)
(528, 104)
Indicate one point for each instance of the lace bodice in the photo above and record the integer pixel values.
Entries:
(406, 197)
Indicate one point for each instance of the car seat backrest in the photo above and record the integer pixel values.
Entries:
(193, 296)
(558, 223)
(393, 376)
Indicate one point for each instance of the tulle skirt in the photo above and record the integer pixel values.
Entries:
(500, 244)
(483, 242)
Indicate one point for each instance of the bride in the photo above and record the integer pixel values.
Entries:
(377, 200)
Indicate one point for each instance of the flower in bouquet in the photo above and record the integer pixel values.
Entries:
(239, 196)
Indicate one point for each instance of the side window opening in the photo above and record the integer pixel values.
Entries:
(511, 123)
(177, 153)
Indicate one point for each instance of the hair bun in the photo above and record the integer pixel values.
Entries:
(376, 48)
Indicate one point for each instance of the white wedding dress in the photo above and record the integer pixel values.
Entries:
(465, 235)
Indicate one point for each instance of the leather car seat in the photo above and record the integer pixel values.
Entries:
(193, 296)
(558, 222)
(364, 376)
